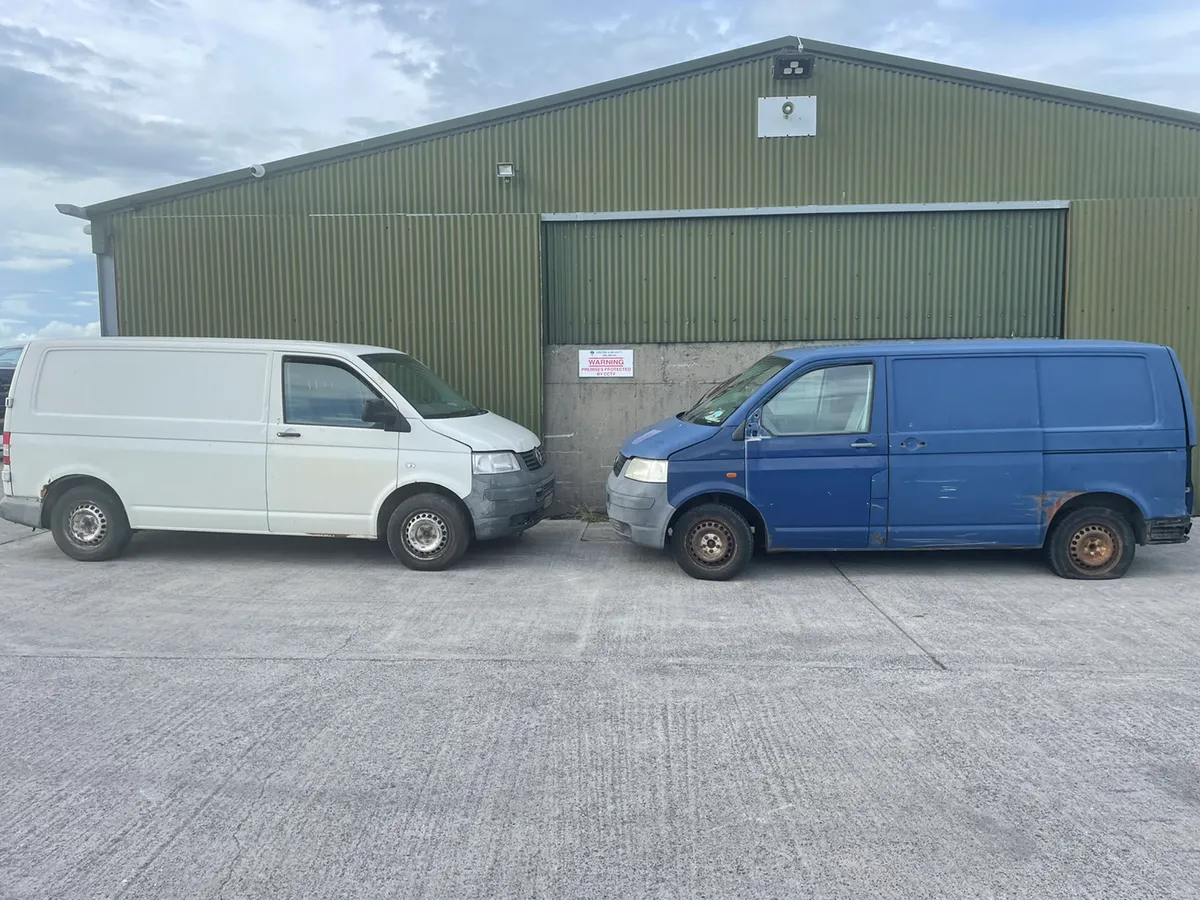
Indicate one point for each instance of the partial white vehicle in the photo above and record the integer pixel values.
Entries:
(110, 436)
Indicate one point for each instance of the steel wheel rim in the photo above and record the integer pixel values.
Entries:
(711, 543)
(87, 525)
(1095, 547)
(426, 535)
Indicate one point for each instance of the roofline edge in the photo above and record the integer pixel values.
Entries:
(449, 127)
(1020, 86)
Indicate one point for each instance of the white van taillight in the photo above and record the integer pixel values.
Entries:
(7, 458)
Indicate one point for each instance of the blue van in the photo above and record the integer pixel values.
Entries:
(1082, 448)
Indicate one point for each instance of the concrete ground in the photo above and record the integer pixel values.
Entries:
(557, 717)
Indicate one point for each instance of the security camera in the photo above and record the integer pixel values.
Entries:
(258, 170)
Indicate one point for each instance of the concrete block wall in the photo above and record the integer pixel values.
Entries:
(587, 419)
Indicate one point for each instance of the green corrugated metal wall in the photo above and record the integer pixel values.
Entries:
(806, 277)
(1135, 275)
(462, 293)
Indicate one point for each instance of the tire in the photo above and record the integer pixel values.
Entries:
(1091, 544)
(712, 542)
(428, 533)
(89, 524)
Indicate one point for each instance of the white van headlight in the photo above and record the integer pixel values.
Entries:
(653, 471)
(494, 463)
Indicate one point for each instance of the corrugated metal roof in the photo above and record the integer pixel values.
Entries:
(1015, 86)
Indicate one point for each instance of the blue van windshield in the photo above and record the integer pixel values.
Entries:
(723, 401)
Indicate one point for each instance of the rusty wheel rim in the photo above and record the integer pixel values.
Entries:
(711, 543)
(1094, 547)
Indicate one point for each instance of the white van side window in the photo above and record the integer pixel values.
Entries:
(320, 392)
(833, 400)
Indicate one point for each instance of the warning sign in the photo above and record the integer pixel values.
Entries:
(605, 363)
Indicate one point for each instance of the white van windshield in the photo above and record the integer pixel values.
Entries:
(429, 395)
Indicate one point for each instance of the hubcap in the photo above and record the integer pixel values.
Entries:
(1094, 546)
(710, 543)
(87, 525)
(426, 534)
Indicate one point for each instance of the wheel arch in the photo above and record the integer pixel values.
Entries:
(1119, 503)
(402, 493)
(749, 511)
(59, 486)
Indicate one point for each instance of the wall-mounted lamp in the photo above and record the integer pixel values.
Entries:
(794, 65)
(506, 171)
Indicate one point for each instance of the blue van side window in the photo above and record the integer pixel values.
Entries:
(833, 400)
(964, 393)
(1070, 398)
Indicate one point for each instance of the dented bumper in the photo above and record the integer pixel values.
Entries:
(639, 512)
(509, 503)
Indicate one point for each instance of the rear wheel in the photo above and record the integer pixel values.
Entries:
(712, 542)
(89, 524)
(1091, 544)
(428, 532)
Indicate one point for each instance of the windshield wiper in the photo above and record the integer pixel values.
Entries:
(458, 414)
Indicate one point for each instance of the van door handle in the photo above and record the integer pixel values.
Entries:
(287, 434)
(863, 445)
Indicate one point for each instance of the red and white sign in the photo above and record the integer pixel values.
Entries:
(605, 363)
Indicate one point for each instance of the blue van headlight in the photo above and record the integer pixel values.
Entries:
(653, 471)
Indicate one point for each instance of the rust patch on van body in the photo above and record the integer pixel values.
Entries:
(1049, 503)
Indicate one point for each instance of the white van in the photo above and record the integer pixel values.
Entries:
(106, 437)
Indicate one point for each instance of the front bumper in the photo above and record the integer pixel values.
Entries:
(507, 504)
(639, 512)
(21, 510)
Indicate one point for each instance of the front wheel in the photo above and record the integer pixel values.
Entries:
(428, 533)
(712, 542)
(1091, 544)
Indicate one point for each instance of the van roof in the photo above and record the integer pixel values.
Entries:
(955, 348)
(214, 344)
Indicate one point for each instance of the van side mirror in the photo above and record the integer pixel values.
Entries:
(751, 425)
(380, 412)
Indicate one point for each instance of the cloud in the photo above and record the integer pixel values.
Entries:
(195, 86)
(35, 263)
(54, 124)
(17, 305)
(14, 331)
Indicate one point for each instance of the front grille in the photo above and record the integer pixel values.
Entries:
(619, 463)
(533, 459)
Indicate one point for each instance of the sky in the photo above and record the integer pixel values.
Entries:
(103, 98)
